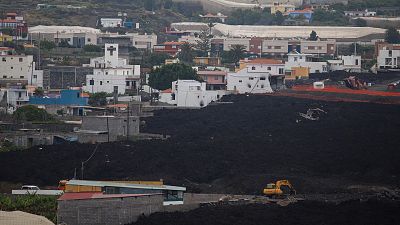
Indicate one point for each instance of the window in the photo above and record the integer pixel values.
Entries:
(12, 67)
(91, 82)
(253, 68)
(21, 59)
(215, 77)
(4, 59)
(106, 73)
(89, 40)
(127, 83)
(251, 78)
(262, 78)
(240, 81)
(35, 76)
(101, 82)
(269, 68)
(280, 70)
(295, 59)
(390, 53)
(4, 76)
(356, 62)
(22, 77)
(108, 81)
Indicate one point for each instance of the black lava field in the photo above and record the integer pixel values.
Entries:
(237, 148)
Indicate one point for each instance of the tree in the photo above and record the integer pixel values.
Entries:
(313, 36)
(31, 113)
(186, 53)
(237, 52)
(47, 45)
(392, 36)
(162, 77)
(279, 18)
(204, 44)
(98, 99)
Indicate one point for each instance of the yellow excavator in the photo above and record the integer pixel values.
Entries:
(279, 189)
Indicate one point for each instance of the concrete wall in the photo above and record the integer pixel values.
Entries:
(107, 211)
(116, 125)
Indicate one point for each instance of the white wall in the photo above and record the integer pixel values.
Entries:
(111, 22)
(229, 42)
(105, 83)
(245, 82)
(273, 69)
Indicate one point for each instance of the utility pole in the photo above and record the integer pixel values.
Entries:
(127, 123)
(108, 131)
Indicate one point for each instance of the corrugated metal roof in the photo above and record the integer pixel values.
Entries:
(96, 195)
(125, 185)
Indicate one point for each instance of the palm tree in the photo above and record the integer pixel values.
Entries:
(186, 53)
(237, 52)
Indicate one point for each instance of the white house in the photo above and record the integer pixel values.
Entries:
(388, 56)
(14, 98)
(257, 76)
(350, 63)
(112, 74)
(20, 69)
(296, 59)
(364, 13)
(111, 22)
(189, 93)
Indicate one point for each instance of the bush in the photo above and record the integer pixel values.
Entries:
(92, 48)
(40, 205)
(98, 99)
(31, 113)
(162, 78)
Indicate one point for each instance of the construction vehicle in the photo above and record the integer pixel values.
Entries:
(279, 189)
(355, 83)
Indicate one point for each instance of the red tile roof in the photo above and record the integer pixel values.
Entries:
(169, 90)
(174, 43)
(96, 195)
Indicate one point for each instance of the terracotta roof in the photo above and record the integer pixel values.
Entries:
(264, 61)
(85, 95)
(211, 72)
(8, 21)
(118, 106)
(96, 195)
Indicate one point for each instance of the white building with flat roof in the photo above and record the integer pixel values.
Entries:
(296, 59)
(190, 93)
(111, 22)
(112, 74)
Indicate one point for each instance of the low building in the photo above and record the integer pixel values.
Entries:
(190, 94)
(229, 42)
(298, 60)
(257, 76)
(13, 97)
(66, 98)
(5, 38)
(65, 77)
(388, 56)
(19, 70)
(279, 7)
(218, 16)
(103, 209)
(275, 47)
(304, 13)
(365, 13)
(349, 63)
(207, 61)
(111, 22)
(215, 79)
(108, 128)
(171, 48)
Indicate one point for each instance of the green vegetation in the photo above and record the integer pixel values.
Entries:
(237, 52)
(162, 77)
(47, 45)
(329, 18)
(204, 44)
(32, 113)
(313, 36)
(8, 146)
(98, 99)
(92, 48)
(39, 91)
(255, 17)
(392, 36)
(40, 205)
(186, 53)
